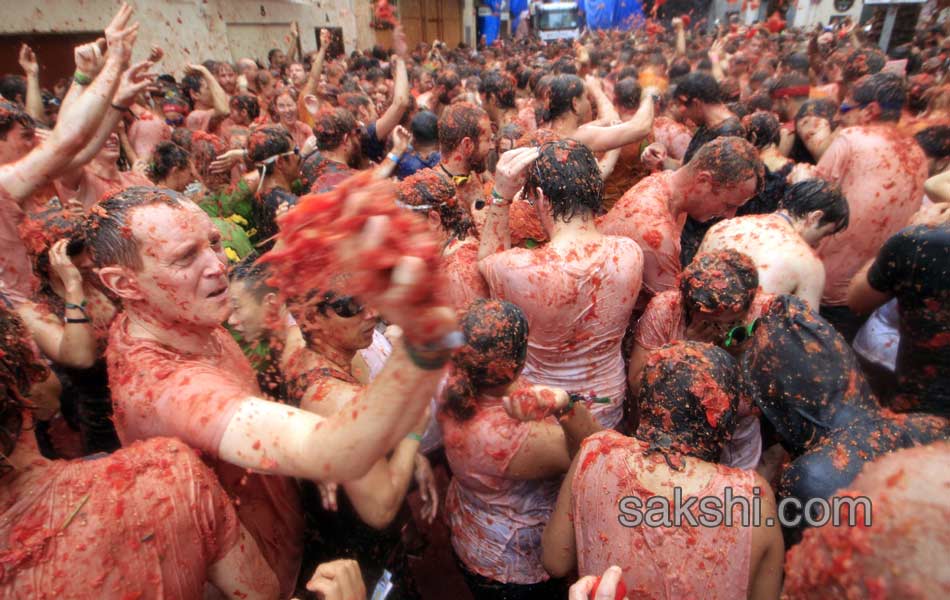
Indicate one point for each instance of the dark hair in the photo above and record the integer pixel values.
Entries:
(679, 68)
(19, 369)
(247, 103)
(108, 227)
(39, 231)
(447, 79)
(11, 114)
(689, 399)
(790, 81)
(331, 126)
(499, 86)
(935, 141)
(425, 127)
(190, 83)
(861, 62)
(822, 107)
(762, 129)
(698, 86)
(353, 102)
(796, 62)
(567, 173)
(272, 53)
(887, 89)
(496, 343)
(268, 142)
(817, 194)
(719, 282)
(182, 136)
(628, 71)
(165, 157)
(562, 92)
(758, 101)
(627, 93)
(253, 275)
(459, 121)
(730, 159)
(12, 86)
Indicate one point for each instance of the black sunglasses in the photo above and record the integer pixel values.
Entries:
(345, 307)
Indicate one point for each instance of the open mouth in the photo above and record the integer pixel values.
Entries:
(219, 292)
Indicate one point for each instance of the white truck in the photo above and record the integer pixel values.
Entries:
(555, 20)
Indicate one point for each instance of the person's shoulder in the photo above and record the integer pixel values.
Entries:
(669, 300)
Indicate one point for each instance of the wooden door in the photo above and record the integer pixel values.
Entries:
(430, 20)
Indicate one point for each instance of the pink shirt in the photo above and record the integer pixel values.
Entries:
(145, 522)
(578, 307)
(644, 215)
(496, 522)
(16, 270)
(157, 391)
(657, 562)
(882, 174)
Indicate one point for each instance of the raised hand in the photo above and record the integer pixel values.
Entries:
(535, 402)
(90, 57)
(512, 171)
(401, 137)
(120, 37)
(31, 68)
(134, 81)
(400, 45)
(63, 265)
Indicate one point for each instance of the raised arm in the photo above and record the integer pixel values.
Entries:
(680, 36)
(509, 178)
(316, 69)
(388, 121)
(77, 122)
(219, 98)
(401, 137)
(34, 96)
(602, 139)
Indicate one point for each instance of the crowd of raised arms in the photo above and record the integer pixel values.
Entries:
(509, 319)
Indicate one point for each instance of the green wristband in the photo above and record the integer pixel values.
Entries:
(81, 78)
(414, 436)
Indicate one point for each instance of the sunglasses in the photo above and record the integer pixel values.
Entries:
(345, 307)
(739, 334)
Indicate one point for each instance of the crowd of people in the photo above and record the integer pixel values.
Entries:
(250, 310)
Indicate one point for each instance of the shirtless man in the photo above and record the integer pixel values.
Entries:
(882, 175)
(781, 244)
(25, 167)
(447, 87)
(577, 291)
(720, 178)
(174, 371)
(208, 98)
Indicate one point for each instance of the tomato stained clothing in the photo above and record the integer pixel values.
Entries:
(658, 562)
(16, 270)
(496, 522)
(578, 307)
(882, 174)
(914, 266)
(644, 215)
(674, 136)
(145, 522)
(159, 392)
(465, 281)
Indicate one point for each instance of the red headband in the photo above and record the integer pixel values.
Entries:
(791, 92)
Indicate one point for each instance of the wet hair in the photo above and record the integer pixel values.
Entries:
(719, 282)
(758, 101)
(12, 86)
(563, 90)
(190, 83)
(108, 228)
(272, 53)
(730, 159)
(790, 81)
(762, 129)
(861, 62)
(628, 71)
(425, 127)
(698, 86)
(253, 275)
(40, 230)
(205, 147)
(182, 136)
(679, 68)
(354, 102)
(496, 344)
(428, 188)
(331, 126)
(567, 173)
(817, 194)
(796, 62)
(19, 369)
(247, 103)
(935, 141)
(165, 157)
(822, 107)
(459, 121)
(627, 93)
(887, 89)
(447, 79)
(499, 86)
(689, 398)
(11, 114)
(262, 78)
(268, 142)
